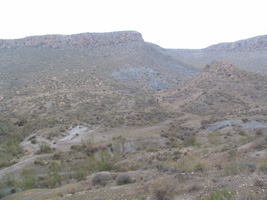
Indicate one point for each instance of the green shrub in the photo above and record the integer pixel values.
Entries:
(88, 146)
(259, 132)
(231, 168)
(163, 188)
(249, 167)
(39, 161)
(247, 195)
(6, 127)
(92, 166)
(44, 148)
(199, 166)
(190, 141)
(28, 179)
(53, 181)
(81, 173)
(243, 140)
(11, 136)
(57, 155)
(87, 143)
(53, 177)
(191, 164)
(214, 137)
(8, 180)
(104, 162)
(242, 132)
(5, 159)
(262, 165)
(10, 144)
(222, 195)
(75, 147)
(233, 153)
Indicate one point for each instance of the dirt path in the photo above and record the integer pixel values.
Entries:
(97, 136)
(38, 194)
(24, 162)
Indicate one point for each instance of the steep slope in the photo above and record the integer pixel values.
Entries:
(249, 54)
(222, 88)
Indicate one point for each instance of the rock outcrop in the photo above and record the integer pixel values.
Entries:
(222, 73)
(77, 40)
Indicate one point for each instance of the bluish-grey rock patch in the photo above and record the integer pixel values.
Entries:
(247, 125)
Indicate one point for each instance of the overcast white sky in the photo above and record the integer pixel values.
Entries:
(168, 23)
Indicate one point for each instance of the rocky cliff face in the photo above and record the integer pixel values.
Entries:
(252, 44)
(78, 40)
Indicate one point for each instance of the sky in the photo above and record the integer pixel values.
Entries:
(167, 23)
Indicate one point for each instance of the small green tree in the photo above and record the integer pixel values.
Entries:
(8, 180)
(105, 162)
(222, 195)
(92, 166)
(53, 177)
(81, 173)
(213, 138)
(190, 141)
(28, 179)
(44, 148)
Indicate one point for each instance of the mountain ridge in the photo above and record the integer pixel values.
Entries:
(116, 37)
(250, 44)
(249, 54)
(75, 40)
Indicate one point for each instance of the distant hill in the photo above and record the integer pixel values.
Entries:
(54, 66)
(76, 40)
(82, 66)
(221, 88)
(119, 55)
(252, 44)
(249, 54)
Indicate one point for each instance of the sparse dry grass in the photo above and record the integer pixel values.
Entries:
(86, 94)
(164, 188)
